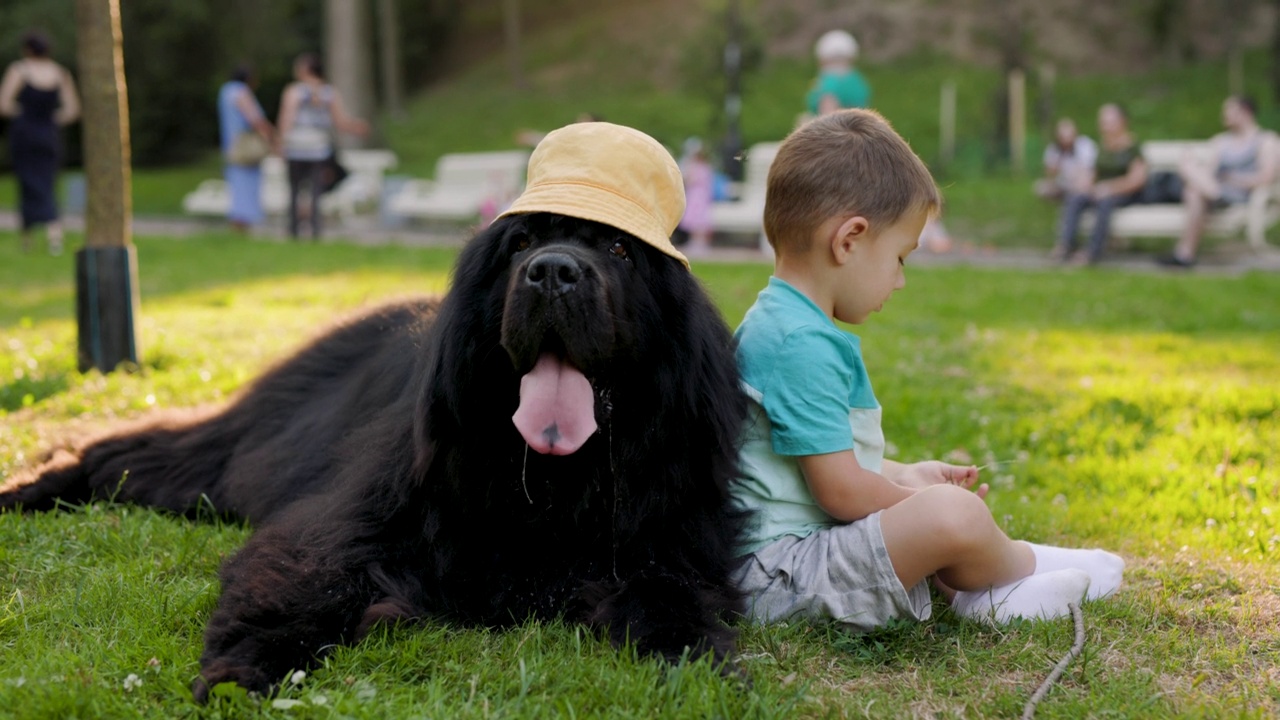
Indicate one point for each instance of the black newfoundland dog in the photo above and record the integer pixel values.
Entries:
(555, 438)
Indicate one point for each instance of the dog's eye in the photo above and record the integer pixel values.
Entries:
(619, 249)
(522, 244)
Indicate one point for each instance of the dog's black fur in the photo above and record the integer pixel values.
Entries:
(386, 481)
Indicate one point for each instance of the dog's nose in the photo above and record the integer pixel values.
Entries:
(553, 272)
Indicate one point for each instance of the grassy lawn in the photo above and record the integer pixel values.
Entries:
(1136, 412)
(156, 191)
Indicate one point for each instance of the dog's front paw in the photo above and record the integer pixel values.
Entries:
(221, 671)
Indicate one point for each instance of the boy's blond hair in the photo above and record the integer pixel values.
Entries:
(846, 163)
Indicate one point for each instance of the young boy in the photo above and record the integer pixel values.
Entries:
(840, 533)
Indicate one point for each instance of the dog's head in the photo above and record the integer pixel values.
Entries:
(575, 314)
(580, 301)
(573, 290)
(579, 292)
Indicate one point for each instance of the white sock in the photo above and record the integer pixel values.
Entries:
(1042, 596)
(1105, 569)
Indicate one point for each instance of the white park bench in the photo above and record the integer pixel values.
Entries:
(358, 192)
(1168, 219)
(464, 183)
(746, 214)
(361, 190)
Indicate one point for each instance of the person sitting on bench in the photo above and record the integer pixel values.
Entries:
(1120, 172)
(1239, 160)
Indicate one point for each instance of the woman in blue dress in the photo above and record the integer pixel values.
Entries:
(39, 95)
(238, 113)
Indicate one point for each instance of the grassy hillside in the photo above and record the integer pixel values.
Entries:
(988, 201)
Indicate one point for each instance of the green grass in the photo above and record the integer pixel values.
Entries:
(1135, 412)
(156, 191)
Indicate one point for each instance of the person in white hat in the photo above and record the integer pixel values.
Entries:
(839, 87)
(838, 84)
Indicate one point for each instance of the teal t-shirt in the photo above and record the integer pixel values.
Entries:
(810, 396)
(850, 89)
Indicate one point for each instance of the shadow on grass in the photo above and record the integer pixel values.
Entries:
(42, 287)
(26, 391)
(899, 644)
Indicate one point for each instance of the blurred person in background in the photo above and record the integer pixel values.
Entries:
(1068, 162)
(311, 112)
(246, 136)
(699, 191)
(838, 85)
(40, 96)
(1118, 177)
(1239, 160)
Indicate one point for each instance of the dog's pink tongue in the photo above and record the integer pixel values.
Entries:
(557, 408)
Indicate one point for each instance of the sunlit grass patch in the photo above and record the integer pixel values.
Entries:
(1168, 434)
(214, 314)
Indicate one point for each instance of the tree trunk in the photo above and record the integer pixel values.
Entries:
(389, 42)
(1275, 55)
(106, 268)
(105, 125)
(349, 58)
(511, 27)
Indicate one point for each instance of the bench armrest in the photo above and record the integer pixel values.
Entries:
(1256, 211)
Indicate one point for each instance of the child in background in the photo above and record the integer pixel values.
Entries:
(699, 190)
(839, 84)
(840, 532)
(1068, 162)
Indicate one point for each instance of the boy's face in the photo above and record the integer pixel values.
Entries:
(875, 269)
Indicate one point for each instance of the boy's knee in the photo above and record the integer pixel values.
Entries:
(945, 493)
(961, 518)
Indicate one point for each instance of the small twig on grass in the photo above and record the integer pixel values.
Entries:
(1061, 667)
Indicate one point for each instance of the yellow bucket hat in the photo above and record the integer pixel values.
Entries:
(610, 174)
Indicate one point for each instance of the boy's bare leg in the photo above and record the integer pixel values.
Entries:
(948, 531)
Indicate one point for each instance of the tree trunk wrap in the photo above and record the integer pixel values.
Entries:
(107, 302)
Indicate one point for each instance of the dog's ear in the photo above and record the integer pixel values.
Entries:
(467, 330)
(691, 387)
(471, 313)
(487, 256)
(705, 359)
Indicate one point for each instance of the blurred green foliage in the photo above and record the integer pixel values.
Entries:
(178, 52)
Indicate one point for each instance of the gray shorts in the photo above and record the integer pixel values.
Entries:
(841, 574)
(1231, 195)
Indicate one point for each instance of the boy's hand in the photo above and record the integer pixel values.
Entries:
(934, 472)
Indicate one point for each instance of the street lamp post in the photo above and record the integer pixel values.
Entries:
(732, 146)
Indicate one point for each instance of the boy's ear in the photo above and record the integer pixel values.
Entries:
(847, 235)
